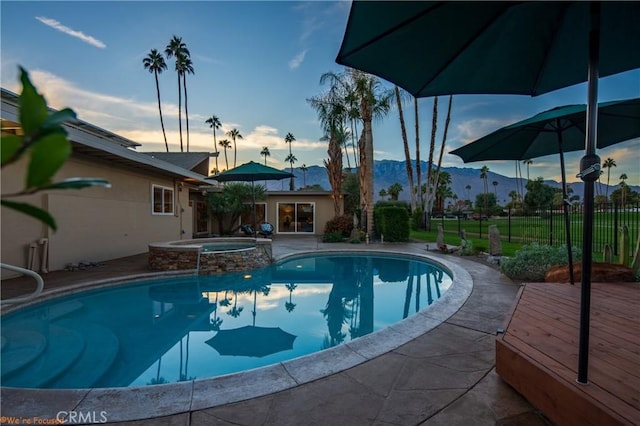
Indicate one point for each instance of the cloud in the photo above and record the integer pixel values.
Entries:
(73, 33)
(297, 60)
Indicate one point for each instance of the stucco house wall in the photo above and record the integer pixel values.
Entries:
(94, 224)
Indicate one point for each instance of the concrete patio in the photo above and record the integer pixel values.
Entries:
(444, 376)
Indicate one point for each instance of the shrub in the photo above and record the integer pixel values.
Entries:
(393, 223)
(416, 218)
(333, 237)
(340, 224)
(532, 261)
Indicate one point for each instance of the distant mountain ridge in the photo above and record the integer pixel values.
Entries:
(388, 172)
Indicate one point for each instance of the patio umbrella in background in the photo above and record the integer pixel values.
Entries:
(251, 172)
(557, 130)
(529, 48)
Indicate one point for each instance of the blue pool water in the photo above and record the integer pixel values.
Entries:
(176, 329)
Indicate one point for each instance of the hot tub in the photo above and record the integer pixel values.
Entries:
(210, 255)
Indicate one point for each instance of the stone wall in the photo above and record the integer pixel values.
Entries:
(164, 259)
(234, 261)
(184, 255)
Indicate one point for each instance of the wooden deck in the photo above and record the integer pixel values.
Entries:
(538, 353)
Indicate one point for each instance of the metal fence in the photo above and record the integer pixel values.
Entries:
(548, 226)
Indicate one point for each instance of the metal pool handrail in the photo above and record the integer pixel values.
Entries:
(23, 271)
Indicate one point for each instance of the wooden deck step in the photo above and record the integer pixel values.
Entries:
(538, 352)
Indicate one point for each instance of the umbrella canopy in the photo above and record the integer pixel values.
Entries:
(439, 48)
(542, 134)
(250, 172)
(554, 131)
(251, 341)
(529, 48)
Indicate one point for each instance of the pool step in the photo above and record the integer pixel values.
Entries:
(19, 348)
(100, 351)
(63, 347)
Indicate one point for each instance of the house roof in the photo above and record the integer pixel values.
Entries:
(95, 142)
(186, 160)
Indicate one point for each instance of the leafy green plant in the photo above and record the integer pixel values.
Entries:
(392, 223)
(333, 237)
(45, 141)
(533, 261)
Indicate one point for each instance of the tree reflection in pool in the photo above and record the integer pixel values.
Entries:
(177, 329)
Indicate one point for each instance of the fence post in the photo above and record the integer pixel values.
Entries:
(509, 224)
(615, 229)
(480, 222)
(551, 225)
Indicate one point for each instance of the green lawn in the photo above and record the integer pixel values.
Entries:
(545, 230)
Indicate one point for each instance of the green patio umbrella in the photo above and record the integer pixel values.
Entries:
(556, 131)
(251, 172)
(529, 48)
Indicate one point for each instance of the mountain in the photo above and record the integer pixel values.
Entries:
(388, 172)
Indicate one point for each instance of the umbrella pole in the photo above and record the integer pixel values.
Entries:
(565, 207)
(589, 172)
(253, 198)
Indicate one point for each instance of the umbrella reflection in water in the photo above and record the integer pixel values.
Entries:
(252, 340)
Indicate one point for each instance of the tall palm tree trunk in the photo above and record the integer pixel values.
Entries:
(432, 147)
(180, 113)
(418, 166)
(444, 141)
(186, 107)
(367, 132)
(215, 146)
(354, 133)
(164, 133)
(235, 152)
(407, 155)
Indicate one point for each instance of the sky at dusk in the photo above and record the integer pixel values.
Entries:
(256, 64)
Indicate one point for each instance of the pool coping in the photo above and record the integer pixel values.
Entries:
(145, 402)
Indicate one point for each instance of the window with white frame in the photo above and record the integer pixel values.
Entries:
(161, 200)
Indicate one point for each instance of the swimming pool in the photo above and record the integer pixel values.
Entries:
(178, 329)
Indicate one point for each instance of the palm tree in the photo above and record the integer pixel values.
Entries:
(374, 102)
(289, 138)
(484, 174)
(176, 48)
(332, 115)
(155, 63)
(304, 169)
(405, 142)
(382, 193)
(226, 144)
(623, 187)
(608, 164)
(265, 153)
(291, 159)
(186, 68)
(495, 188)
(527, 162)
(468, 188)
(234, 134)
(394, 191)
(214, 123)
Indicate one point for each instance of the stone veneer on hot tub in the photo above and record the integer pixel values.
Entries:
(188, 255)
